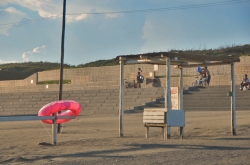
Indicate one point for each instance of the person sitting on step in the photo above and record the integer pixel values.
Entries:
(245, 82)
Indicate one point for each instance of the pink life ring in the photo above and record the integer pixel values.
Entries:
(68, 108)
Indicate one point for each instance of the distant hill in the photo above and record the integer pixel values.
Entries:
(233, 50)
(16, 71)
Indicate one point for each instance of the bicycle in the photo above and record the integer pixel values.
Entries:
(126, 83)
(199, 82)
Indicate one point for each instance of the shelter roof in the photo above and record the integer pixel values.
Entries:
(178, 58)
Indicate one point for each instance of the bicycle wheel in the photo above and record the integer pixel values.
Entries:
(126, 85)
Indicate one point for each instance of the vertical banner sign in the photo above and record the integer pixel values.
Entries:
(175, 98)
(156, 67)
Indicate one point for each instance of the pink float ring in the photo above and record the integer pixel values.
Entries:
(68, 108)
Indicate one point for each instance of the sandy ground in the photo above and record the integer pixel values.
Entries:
(95, 139)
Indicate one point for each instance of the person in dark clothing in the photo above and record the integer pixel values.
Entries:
(139, 78)
(139, 71)
(208, 76)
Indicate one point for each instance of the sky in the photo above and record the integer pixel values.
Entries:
(31, 30)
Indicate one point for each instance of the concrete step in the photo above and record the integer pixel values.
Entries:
(109, 91)
(105, 104)
(202, 99)
(112, 104)
(114, 108)
(155, 105)
(89, 94)
(217, 94)
(148, 92)
(107, 101)
(206, 98)
(98, 112)
(214, 109)
(131, 93)
(139, 107)
(144, 100)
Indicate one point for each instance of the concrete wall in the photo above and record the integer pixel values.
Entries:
(14, 75)
(108, 76)
(29, 81)
(97, 73)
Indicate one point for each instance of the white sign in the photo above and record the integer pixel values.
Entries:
(175, 98)
(156, 67)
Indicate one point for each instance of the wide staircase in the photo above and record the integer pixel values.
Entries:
(212, 98)
(105, 101)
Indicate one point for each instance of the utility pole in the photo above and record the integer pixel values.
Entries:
(62, 57)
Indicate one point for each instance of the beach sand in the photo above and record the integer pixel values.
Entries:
(94, 139)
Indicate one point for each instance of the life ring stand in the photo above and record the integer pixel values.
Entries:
(68, 108)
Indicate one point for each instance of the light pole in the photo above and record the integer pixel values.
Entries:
(62, 57)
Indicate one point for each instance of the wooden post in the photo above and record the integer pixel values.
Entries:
(233, 107)
(147, 132)
(168, 94)
(121, 96)
(163, 132)
(181, 129)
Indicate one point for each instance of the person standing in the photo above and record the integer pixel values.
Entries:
(139, 71)
(139, 78)
(208, 75)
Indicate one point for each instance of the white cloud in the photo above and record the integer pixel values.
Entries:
(7, 17)
(45, 8)
(82, 16)
(26, 55)
(12, 10)
(38, 49)
(76, 9)
(7, 62)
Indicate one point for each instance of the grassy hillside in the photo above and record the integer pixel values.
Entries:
(32, 66)
(16, 71)
(233, 50)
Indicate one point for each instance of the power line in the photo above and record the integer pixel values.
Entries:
(168, 8)
(8, 25)
(32, 20)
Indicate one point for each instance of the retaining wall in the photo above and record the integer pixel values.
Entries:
(108, 76)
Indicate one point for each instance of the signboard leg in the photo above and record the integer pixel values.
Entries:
(181, 132)
(168, 132)
(54, 132)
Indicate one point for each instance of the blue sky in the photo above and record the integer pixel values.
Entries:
(30, 30)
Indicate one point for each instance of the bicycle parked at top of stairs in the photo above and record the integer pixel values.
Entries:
(199, 81)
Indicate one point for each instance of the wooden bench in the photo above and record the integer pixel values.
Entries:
(155, 117)
(159, 117)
